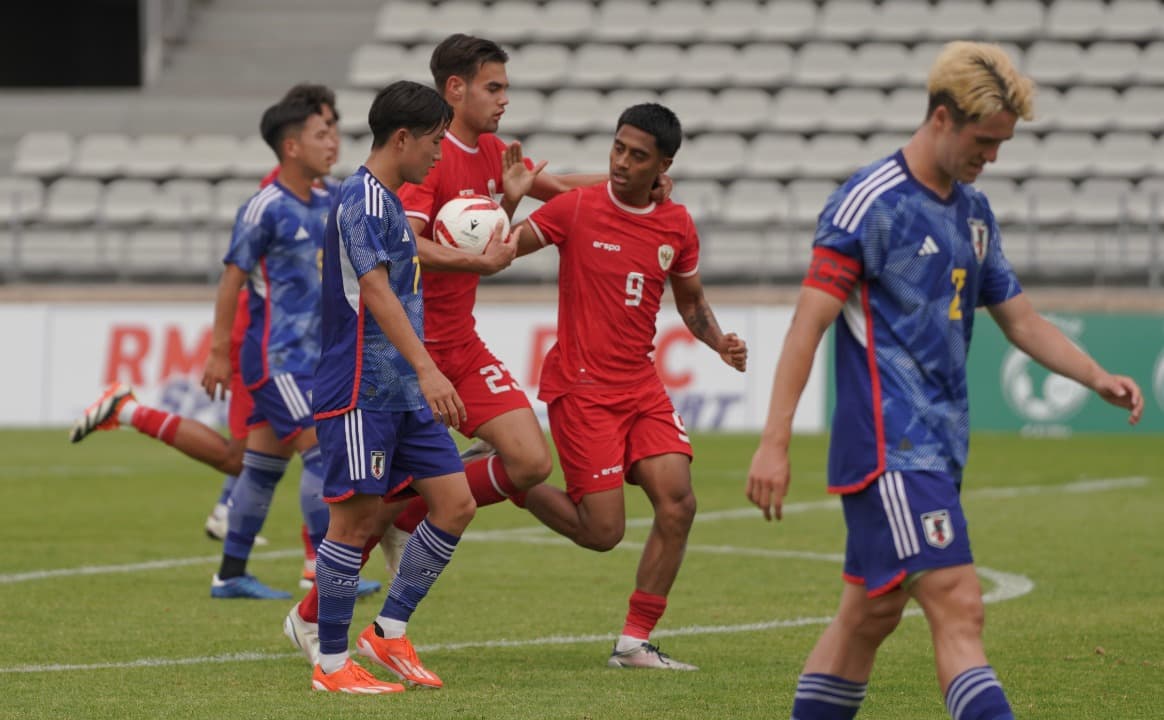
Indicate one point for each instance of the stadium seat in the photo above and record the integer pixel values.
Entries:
(733, 254)
(254, 159)
(101, 155)
(1004, 199)
(513, 21)
(599, 65)
(1130, 155)
(618, 21)
(678, 21)
(70, 252)
(1051, 200)
(904, 21)
(183, 202)
(788, 22)
(734, 21)
(765, 65)
(352, 106)
(1151, 68)
(375, 65)
(800, 109)
(21, 200)
(1110, 63)
(712, 155)
(652, 65)
(1049, 114)
(882, 144)
(574, 111)
(806, 199)
(1085, 108)
(43, 154)
(834, 156)
(882, 65)
(155, 156)
(404, 21)
(1102, 201)
(1017, 157)
(741, 110)
(1148, 204)
(524, 113)
(1133, 20)
(561, 151)
(858, 110)
(846, 20)
(1055, 63)
(707, 65)
(592, 154)
(753, 202)
(1075, 19)
(129, 202)
(352, 154)
(695, 108)
(776, 155)
(572, 23)
(824, 64)
(702, 198)
(210, 156)
(229, 196)
(72, 201)
(1015, 20)
(539, 66)
(904, 110)
(958, 19)
(1066, 154)
(466, 16)
(614, 102)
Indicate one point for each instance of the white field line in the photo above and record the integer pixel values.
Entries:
(1007, 586)
(1080, 486)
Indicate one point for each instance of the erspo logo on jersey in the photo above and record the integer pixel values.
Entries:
(609, 247)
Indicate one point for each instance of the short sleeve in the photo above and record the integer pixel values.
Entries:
(251, 238)
(366, 237)
(418, 200)
(687, 264)
(848, 246)
(552, 221)
(999, 282)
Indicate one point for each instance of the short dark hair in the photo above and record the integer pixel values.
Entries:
(316, 95)
(462, 56)
(409, 105)
(284, 118)
(658, 121)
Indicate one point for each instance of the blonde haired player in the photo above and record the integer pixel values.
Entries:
(906, 249)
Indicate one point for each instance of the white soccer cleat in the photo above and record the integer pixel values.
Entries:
(393, 544)
(216, 526)
(302, 634)
(476, 451)
(645, 656)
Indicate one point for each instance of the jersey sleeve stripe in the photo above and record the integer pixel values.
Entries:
(537, 231)
(418, 215)
(690, 273)
(258, 204)
(875, 193)
(862, 190)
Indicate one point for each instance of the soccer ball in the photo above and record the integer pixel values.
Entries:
(465, 223)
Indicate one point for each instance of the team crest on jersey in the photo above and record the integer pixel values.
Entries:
(377, 464)
(666, 256)
(979, 238)
(938, 530)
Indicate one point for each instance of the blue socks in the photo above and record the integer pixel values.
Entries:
(976, 694)
(826, 697)
(227, 487)
(337, 577)
(249, 503)
(427, 553)
(315, 512)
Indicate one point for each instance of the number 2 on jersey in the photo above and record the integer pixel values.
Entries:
(634, 288)
(958, 277)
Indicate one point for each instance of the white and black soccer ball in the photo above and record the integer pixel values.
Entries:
(465, 223)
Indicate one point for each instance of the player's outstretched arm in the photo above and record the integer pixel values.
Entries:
(216, 376)
(548, 186)
(1036, 336)
(498, 255)
(526, 240)
(770, 472)
(389, 314)
(517, 178)
(700, 320)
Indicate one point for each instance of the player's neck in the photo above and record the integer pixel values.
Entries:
(295, 180)
(464, 134)
(632, 198)
(923, 165)
(386, 172)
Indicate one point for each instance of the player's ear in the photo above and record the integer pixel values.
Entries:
(665, 164)
(400, 138)
(455, 88)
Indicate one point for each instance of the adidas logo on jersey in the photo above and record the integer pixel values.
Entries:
(929, 247)
(302, 233)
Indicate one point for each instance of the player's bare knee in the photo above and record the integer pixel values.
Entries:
(676, 514)
(526, 472)
(602, 537)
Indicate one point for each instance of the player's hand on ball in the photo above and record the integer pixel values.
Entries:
(499, 251)
(216, 375)
(768, 480)
(516, 178)
(734, 351)
(442, 398)
(1122, 391)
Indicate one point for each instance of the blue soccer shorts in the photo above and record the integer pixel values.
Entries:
(904, 523)
(368, 452)
(284, 403)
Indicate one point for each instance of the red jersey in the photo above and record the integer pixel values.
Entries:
(614, 262)
(449, 297)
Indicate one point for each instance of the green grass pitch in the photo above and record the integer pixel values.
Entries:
(520, 625)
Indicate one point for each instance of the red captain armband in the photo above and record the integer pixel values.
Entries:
(833, 273)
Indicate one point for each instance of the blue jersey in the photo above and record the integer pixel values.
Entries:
(911, 267)
(277, 240)
(359, 367)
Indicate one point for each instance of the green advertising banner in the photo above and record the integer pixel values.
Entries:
(1010, 392)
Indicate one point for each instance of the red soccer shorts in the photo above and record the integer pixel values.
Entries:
(600, 436)
(241, 403)
(485, 385)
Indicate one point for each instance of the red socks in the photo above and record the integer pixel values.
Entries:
(488, 482)
(645, 611)
(156, 423)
